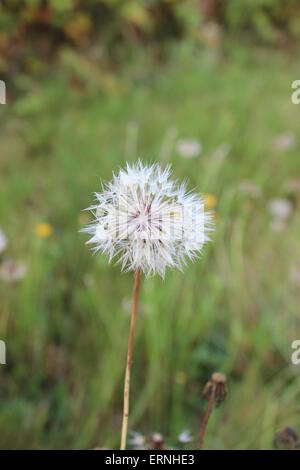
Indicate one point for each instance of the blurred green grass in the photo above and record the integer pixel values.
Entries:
(66, 323)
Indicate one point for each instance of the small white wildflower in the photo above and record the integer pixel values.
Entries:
(12, 271)
(188, 148)
(147, 221)
(280, 208)
(3, 241)
(185, 436)
(137, 440)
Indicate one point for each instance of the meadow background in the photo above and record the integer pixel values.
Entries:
(206, 87)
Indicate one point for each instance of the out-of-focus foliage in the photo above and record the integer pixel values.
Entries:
(273, 21)
(228, 126)
(32, 30)
(220, 113)
(36, 27)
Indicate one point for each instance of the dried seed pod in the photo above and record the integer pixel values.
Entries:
(286, 439)
(156, 441)
(218, 383)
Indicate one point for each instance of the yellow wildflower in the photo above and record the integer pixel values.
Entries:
(43, 230)
(210, 201)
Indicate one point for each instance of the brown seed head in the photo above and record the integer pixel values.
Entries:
(286, 439)
(217, 385)
(156, 441)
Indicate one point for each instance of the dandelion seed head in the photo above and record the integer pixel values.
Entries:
(145, 220)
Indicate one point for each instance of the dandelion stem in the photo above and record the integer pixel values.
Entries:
(129, 358)
(207, 415)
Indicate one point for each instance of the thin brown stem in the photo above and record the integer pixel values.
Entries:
(129, 358)
(207, 415)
